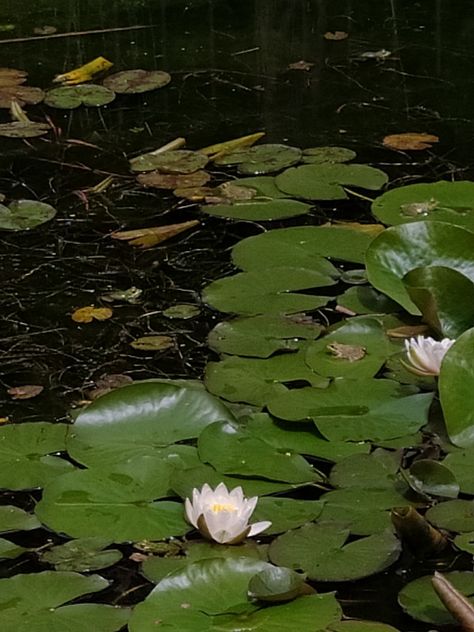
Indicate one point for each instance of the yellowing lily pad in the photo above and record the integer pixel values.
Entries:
(24, 95)
(71, 97)
(136, 81)
(173, 161)
(25, 214)
(159, 180)
(20, 129)
(90, 313)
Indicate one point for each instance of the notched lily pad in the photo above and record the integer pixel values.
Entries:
(25, 214)
(158, 180)
(262, 159)
(318, 155)
(71, 97)
(81, 555)
(136, 81)
(175, 161)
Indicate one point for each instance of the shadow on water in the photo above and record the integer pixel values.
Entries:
(229, 63)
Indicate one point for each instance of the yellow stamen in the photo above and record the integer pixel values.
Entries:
(217, 507)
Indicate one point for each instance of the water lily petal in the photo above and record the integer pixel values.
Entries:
(258, 527)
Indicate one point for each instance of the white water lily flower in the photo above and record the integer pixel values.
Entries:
(222, 515)
(426, 354)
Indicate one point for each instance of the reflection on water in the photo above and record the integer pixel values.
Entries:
(229, 62)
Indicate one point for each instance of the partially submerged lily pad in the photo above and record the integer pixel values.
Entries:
(174, 161)
(71, 97)
(258, 210)
(159, 180)
(20, 129)
(318, 155)
(262, 159)
(25, 214)
(136, 81)
(23, 95)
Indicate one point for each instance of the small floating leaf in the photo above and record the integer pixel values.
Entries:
(262, 159)
(153, 343)
(27, 391)
(20, 129)
(82, 555)
(258, 210)
(136, 81)
(71, 97)
(25, 214)
(317, 155)
(183, 311)
(90, 313)
(174, 161)
(410, 141)
(149, 237)
(159, 180)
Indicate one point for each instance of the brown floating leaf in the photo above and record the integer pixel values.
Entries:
(153, 343)
(407, 331)
(12, 77)
(149, 237)
(108, 383)
(23, 94)
(300, 65)
(454, 601)
(27, 391)
(90, 313)
(136, 81)
(160, 180)
(346, 352)
(195, 194)
(44, 30)
(410, 141)
(19, 129)
(336, 36)
(236, 193)
(422, 538)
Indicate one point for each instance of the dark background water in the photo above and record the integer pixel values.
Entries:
(229, 63)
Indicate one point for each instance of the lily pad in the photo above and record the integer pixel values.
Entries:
(321, 551)
(430, 477)
(233, 451)
(356, 410)
(26, 454)
(136, 81)
(318, 155)
(400, 249)
(286, 513)
(23, 95)
(176, 161)
(453, 515)
(183, 311)
(356, 625)
(21, 129)
(35, 601)
(367, 471)
(420, 601)
(465, 542)
(9, 550)
(120, 505)
(264, 186)
(276, 584)
(302, 246)
(140, 419)
(262, 159)
(261, 336)
(366, 300)
(357, 348)
(451, 202)
(82, 555)
(271, 290)
(15, 519)
(25, 214)
(327, 181)
(71, 97)
(460, 464)
(159, 180)
(456, 383)
(258, 210)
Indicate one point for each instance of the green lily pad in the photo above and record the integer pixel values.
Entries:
(215, 592)
(453, 515)
(400, 249)
(183, 311)
(258, 210)
(9, 550)
(71, 97)
(271, 290)
(140, 419)
(356, 625)
(26, 450)
(327, 181)
(357, 348)
(302, 246)
(451, 202)
(377, 470)
(173, 161)
(21, 129)
(356, 410)
(136, 81)
(320, 550)
(120, 505)
(465, 542)
(366, 300)
(82, 555)
(257, 381)
(276, 584)
(15, 519)
(261, 336)
(444, 296)
(34, 601)
(430, 477)
(25, 214)
(262, 159)
(302, 439)
(237, 452)
(420, 601)
(286, 513)
(456, 384)
(264, 186)
(318, 155)
(153, 343)
(354, 277)
(460, 464)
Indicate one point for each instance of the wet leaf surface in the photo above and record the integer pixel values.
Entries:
(410, 141)
(136, 81)
(178, 161)
(71, 97)
(25, 214)
(90, 313)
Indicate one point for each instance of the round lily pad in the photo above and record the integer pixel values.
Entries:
(25, 214)
(451, 202)
(317, 155)
(23, 95)
(264, 186)
(136, 81)
(71, 97)
(174, 161)
(260, 211)
(19, 129)
(262, 159)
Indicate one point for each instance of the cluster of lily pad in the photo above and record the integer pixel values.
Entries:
(295, 408)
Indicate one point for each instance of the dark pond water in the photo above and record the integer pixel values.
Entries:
(229, 65)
